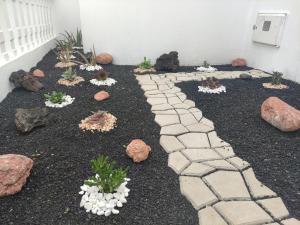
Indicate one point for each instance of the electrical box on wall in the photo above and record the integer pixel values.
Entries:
(269, 28)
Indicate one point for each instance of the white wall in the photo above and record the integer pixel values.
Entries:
(286, 58)
(199, 30)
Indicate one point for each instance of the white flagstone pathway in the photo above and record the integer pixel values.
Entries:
(221, 186)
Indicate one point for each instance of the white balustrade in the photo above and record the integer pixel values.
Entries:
(24, 25)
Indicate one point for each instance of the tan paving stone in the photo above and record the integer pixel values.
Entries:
(169, 95)
(188, 119)
(228, 185)
(175, 129)
(197, 169)
(189, 103)
(153, 92)
(157, 96)
(164, 120)
(161, 107)
(220, 164)
(178, 162)
(209, 216)
(157, 101)
(225, 151)
(163, 87)
(199, 127)
(182, 111)
(173, 90)
(207, 122)
(215, 141)
(275, 207)
(149, 87)
(257, 189)
(291, 221)
(195, 190)
(194, 140)
(199, 155)
(166, 112)
(181, 106)
(242, 213)
(238, 163)
(170, 144)
(181, 96)
(174, 100)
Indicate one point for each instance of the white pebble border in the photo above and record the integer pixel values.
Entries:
(67, 101)
(107, 82)
(209, 69)
(212, 91)
(96, 202)
(90, 67)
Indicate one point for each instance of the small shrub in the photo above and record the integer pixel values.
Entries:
(276, 78)
(90, 61)
(146, 64)
(64, 56)
(101, 75)
(55, 97)
(69, 74)
(206, 64)
(108, 178)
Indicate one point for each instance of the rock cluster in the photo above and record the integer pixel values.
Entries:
(14, 170)
(100, 121)
(27, 119)
(138, 150)
(281, 115)
(104, 58)
(25, 80)
(167, 62)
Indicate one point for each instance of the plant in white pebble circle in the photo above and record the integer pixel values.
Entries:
(106, 191)
(58, 99)
(101, 78)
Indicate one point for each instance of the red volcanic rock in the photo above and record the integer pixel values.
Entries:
(104, 58)
(14, 170)
(101, 95)
(239, 62)
(38, 73)
(138, 150)
(281, 115)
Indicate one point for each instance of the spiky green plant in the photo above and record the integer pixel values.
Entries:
(78, 38)
(69, 74)
(55, 97)
(64, 56)
(276, 78)
(146, 64)
(107, 177)
(91, 61)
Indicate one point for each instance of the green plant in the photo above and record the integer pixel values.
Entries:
(101, 75)
(146, 64)
(206, 64)
(107, 177)
(55, 97)
(78, 42)
(69, 74)
(276, 78)
(91, 61)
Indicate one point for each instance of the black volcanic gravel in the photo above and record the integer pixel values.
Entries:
(274, 155)
(62, 153)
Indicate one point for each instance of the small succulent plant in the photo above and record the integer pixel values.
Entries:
(146, 64)
(101, 75)
(211, 82)
(55, 97)
(107, 177)
(69, 74)
(276, 78)
(206, 64)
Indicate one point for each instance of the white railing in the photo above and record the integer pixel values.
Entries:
(24, 25)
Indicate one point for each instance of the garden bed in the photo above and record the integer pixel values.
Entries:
(62, 152)
(274, 155)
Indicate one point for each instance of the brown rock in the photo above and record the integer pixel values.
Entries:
(30, 83)
(142, 71)
(14, 170)
(239, 62)
(138, 150)
(104, 58)
(281, 115)
(101, 95)
(38, 73)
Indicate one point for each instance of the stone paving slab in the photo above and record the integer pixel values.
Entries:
(210, 171)
(242, 213)
(194, 189)
(228, 185)
(170, 143)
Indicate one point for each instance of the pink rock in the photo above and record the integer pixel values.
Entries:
(14, 170)
(138, 150)
(281, 115)
(38, 73)
(104, 58)
(101, 95)
(239, 62)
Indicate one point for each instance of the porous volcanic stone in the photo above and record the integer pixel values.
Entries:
(25, 80)
(245, 76)
(167, 62)
(14, 170)
(27, 119)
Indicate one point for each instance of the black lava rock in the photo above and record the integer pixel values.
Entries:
(167, 62)
(25, 80)
(245, 76)
(27, 119)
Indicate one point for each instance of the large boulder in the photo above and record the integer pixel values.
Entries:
(138, 150)
(167, 62)
(281, 115)
(104, 58)
(25, 80)
(27, 119)
(14, 170)
(239, 62)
